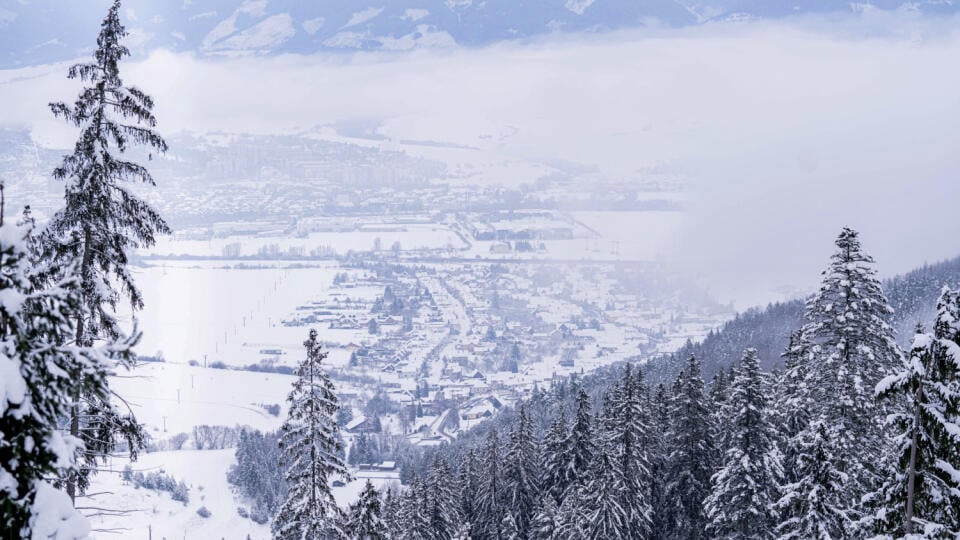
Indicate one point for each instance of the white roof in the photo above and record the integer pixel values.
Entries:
(355, 422)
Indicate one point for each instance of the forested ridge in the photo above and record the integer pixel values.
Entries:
(913, 297)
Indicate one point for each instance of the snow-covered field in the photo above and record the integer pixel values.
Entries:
(219, 312)
(180, 397)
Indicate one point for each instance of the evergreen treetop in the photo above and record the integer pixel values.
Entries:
(311, 450)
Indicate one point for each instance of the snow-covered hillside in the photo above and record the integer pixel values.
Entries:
(43, 34)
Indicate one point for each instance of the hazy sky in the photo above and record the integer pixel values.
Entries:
(784, 131)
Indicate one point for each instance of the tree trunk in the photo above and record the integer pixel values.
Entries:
(79, 337)
(912, 473)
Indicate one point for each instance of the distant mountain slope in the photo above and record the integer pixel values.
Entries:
(913, 296)
(44, 31)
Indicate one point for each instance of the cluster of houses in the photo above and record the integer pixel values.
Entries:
(456, 342)
(519, 225)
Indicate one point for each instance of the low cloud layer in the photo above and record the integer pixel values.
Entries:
(785, 132)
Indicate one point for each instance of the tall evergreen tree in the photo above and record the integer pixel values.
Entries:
(555, 458)
(391, 511)
(490, 499)
(851, 347)
(443, 512)
(659, 465)
(921, 498)
(689, 463)
(605, 490)
(813, 507)
(469, 482)
(520, 474)
(414, 515)
(103, 220)
(648, 435)
(573, 516)
(311, 452)
(745, 489)
(792, 408)
(626, 439)
(719, 394)
(38, 373)
(364, 521)
(544, 525)
(580, 442)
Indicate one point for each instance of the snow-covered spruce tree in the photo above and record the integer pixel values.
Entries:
(520, 473)
(443, 510)
(463, 532)
(101, 221)
(554, 459)
(791, 409)
(490, 496)
(851, 348)
(509, 528)
(391, 513)
(648, 436)
(582, 448)
(812, 508)
(659, 451)
(580, 443)
(38, 373)
(414, 518)
(606, 514)
(311, 453)
(469, 482)
(745, 489)
(689, 465)
(544, 524)
(365, 520)
(719, 394)
(626, 439)
(573, 515)
(921, 496)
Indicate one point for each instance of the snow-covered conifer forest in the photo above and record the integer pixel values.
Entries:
(438, 270)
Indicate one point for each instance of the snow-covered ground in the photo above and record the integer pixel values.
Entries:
(219, 311)
(180, 397)
(144, 511)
